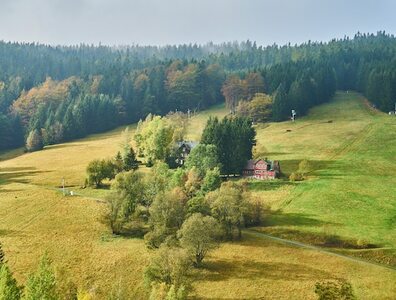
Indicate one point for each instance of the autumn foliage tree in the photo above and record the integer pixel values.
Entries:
(34, 141)
(259, 108)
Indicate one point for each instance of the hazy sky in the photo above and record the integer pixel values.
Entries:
(159, 22)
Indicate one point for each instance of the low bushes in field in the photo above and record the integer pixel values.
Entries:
(334, 290)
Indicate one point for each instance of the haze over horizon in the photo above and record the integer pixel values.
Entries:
(155, 22)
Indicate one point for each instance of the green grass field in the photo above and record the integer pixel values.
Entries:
(351, 190)
(349, 193)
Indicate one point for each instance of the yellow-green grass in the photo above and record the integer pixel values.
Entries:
(34, 220)
(197, 122)
(35, 217)
(351, 190)
(260, 269)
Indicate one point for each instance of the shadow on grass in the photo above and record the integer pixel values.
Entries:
(268, 185)
(4, 232)
(222, 270)
(316, 166)
(18, 174)
(278, 218)
(62, 146)
(9, 190)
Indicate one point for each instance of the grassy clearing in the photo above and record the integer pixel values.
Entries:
(349, 193)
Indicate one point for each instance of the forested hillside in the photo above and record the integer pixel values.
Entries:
(60, 93)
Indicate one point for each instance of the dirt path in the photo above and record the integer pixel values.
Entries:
(306, 246)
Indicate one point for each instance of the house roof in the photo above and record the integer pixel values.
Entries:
(190, 144)
(251, 163)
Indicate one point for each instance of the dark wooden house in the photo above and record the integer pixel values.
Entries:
(183, 150)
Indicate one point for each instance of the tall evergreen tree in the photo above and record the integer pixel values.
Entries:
(234, 139)
(42, 284)
(130, 161)
(9, 289)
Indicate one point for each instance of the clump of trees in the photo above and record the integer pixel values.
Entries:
(236, 89)
(41, 284)
(234, 138)
(339, 289)
(155, 138)
(125, 160)
(166, 276)
(186, 212)
(259, 109)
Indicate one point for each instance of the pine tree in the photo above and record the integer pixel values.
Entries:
(279, 106)
(42, 284)
(9, 289)
(118, 162)
(130, 162)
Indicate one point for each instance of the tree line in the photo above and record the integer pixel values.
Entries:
(67, 92)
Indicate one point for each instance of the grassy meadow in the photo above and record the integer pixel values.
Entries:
(349, 193)
(351, 188)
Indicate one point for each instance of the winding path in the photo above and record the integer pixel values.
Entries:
(315, 248)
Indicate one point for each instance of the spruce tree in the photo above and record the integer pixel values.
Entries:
(118, 162)
(130, 162)
(42, 284)
(9, 289)
(279, 107)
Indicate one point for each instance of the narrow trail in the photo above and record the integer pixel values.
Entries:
(315, 248)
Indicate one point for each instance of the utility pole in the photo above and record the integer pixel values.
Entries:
(293, 115)
(63, 186)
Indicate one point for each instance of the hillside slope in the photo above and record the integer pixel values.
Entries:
(351, 189)
(35, 217)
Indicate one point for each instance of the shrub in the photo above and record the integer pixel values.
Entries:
(296, 176)
(170, 266)
(334, 290)
(304, 167)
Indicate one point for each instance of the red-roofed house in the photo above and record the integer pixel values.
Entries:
(262, 169)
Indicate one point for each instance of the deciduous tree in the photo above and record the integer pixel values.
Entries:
(199, 234)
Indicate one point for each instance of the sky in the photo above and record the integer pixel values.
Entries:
(161, 22)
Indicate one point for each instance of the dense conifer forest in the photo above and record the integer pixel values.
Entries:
(61, 93)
